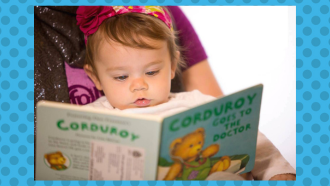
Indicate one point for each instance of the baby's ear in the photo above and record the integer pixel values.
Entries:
(175, 64)
(89, 71)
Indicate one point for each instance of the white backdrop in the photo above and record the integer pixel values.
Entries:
(248, 45)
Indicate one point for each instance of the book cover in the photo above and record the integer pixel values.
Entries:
(217, 136)
(81, 143)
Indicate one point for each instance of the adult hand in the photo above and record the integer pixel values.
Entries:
(284, 177)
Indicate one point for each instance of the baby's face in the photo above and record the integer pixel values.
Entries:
(133, 78)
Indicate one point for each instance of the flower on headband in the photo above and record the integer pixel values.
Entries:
(89, 18)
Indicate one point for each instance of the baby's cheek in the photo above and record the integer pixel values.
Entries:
(117, 91)
(164, 84)
(162, 91)
(113, 94)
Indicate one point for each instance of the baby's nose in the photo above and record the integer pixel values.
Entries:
(139, 84)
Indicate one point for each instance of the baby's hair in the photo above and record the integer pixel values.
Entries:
(131, 29)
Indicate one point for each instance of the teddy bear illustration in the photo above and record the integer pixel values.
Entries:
(56, 160)
(190, 161)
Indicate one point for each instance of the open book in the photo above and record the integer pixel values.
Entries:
(82, 143)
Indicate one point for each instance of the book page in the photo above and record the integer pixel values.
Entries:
(111, 161)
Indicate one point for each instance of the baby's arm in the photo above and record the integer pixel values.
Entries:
(269, 163)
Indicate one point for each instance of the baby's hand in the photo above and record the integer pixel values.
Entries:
(284, 177)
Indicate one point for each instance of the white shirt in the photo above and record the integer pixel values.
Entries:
(268, 162)
(177, 102)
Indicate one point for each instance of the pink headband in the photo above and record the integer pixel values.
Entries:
(89, 18)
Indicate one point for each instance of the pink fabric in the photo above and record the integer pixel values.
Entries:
(89, 18)
(81, 89)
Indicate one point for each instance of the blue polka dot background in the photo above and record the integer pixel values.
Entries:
(16, 91)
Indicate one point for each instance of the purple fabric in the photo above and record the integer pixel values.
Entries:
(194, 51)
(81, 89)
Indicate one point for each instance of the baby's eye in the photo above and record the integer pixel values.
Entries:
(151, 73)
(199, 142)
(121, 78)
(191, 145)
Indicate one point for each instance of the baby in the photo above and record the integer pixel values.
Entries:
(132, 56)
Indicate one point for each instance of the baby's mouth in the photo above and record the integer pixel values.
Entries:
(142, 102)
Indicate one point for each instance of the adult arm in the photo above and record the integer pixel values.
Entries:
(201, 77)
(198, 74)
(269, 163)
